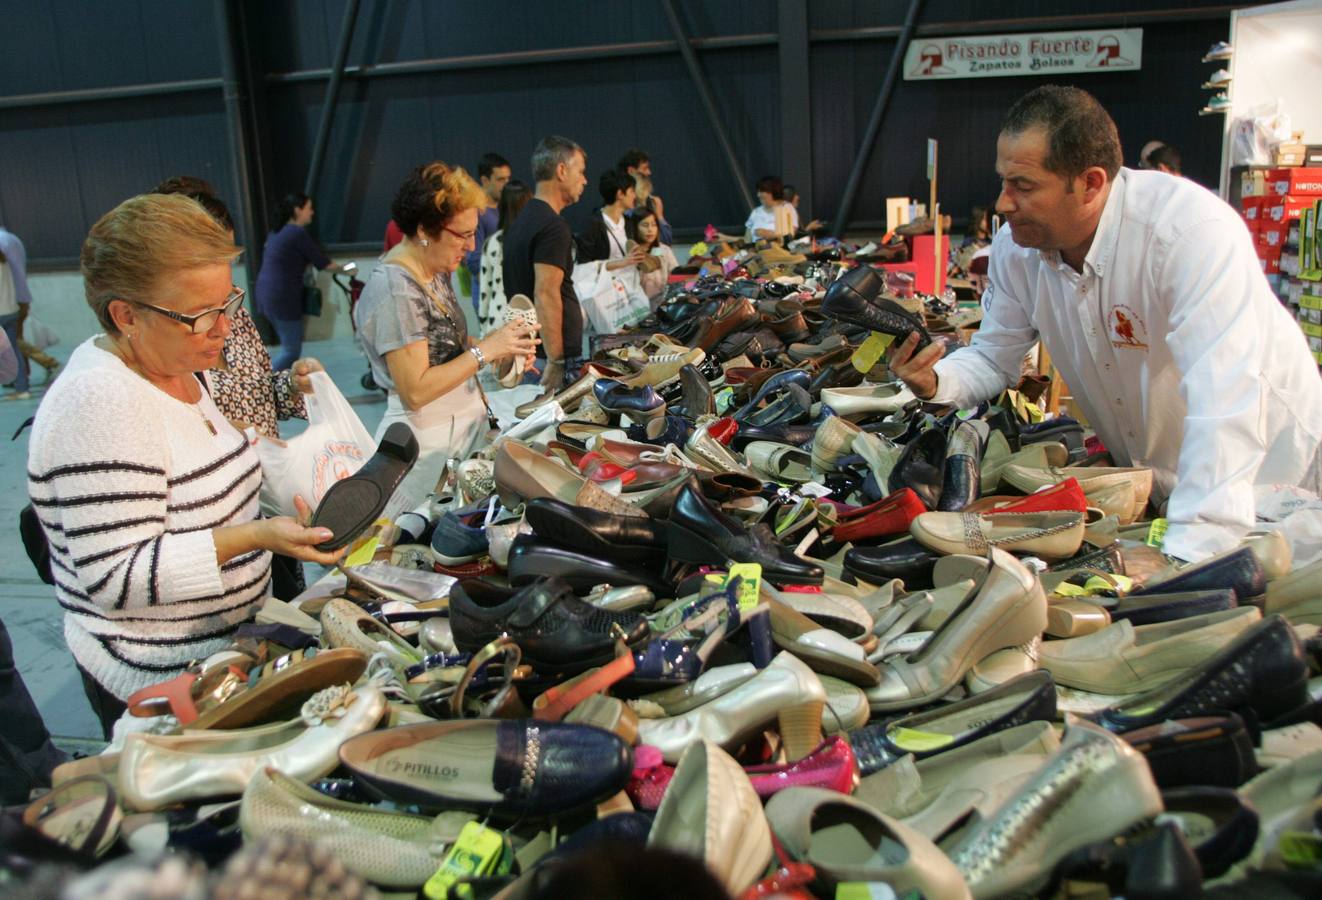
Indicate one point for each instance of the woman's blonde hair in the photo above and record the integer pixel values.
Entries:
(143, 242)
(432, 195)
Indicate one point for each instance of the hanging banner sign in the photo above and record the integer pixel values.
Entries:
(993, 55)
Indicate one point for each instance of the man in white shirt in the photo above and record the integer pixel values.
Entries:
(1147, 293)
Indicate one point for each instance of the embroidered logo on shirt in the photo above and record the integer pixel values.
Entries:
(1127, 329)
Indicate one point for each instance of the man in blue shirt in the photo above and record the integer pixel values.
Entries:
(493, 173)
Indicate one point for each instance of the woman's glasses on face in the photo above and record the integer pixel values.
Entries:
(205, 320)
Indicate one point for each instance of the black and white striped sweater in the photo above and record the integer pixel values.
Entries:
(129, 483)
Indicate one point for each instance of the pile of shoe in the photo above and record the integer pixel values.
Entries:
(747, 605)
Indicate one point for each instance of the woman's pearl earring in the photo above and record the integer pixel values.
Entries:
(424, 242)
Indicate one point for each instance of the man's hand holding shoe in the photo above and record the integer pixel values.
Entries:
(915, 369)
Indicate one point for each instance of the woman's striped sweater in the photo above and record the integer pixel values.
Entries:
(129, 483)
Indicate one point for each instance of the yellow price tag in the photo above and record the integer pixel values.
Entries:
(750, 584)
(915, 741)
(870, 352)
(699, 249)
(364, 553)
(476, 852)
(1156, 533)
(864, 890)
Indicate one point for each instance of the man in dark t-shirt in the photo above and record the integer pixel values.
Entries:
(539, 256)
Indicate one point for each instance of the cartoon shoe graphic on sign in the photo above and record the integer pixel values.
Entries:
(932, 62)
(1108, 54)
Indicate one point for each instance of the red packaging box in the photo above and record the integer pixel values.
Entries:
(1271, 236)
(1250, 208)
(1295, 180)
(1271, 266)
(1283, 209)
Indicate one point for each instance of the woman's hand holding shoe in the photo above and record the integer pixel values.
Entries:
(285, 535)
(518, 338)
(290, 536)
(637, 253)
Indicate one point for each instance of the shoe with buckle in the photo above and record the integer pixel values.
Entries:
(558, 633)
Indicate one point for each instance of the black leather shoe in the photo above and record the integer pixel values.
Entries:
(1149, 609)
(352, 504)
(1261, 675)
(791, 406)
(1155, 865)
(961, 482)
(921, 467)
(700, 533)
(558, 633)
(778, 382)
(531, 559)
(1214, 751)
(696, 398)
(1027, 698)
(795, 435)
(628, 538)
(1226, 826)
(1237, 569)
(615, 397)
(856, 298)
(905, 559)
(660, 431)
(518, 767)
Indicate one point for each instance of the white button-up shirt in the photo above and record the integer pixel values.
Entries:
(1174, 347)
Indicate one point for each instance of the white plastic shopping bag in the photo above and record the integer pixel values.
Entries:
(39, 334)
(611, 301)
(334, 446)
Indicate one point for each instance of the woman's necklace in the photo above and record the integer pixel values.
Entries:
(195, 405)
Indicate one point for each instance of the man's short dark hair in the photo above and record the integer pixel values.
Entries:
(489, 163)
(549, 153)
(1167, 156)
(632, 159)
(612, 182)
(772, 185)
(1080, 133)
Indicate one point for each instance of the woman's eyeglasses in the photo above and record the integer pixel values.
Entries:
(464, 236)
(205, 320)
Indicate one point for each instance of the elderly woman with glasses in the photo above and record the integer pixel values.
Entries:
(147, 494)
(413, 329)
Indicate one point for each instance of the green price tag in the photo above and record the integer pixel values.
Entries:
(724, 399)
(1301, 850)
(864, 890)
(870, 352)
(1156, 533)
(476, 852)
(749, 590)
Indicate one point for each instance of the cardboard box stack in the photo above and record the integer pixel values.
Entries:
(1281, 207)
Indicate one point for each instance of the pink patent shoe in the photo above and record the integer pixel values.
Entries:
(831, 766)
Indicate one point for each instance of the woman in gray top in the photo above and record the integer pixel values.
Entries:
(413, 331)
